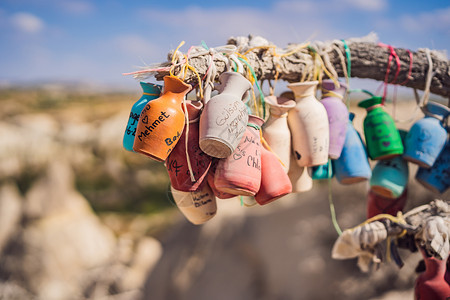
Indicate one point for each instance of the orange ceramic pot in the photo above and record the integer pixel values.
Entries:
(275, 182)
(177, 162)
(210, 179)
(240, 173)
(162, 121)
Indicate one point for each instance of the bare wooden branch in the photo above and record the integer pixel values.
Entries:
(368, 60)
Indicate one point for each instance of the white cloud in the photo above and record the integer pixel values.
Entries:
(27, 22)
(367, 5)
(77, 7)
(135, 45)
(437, 20)
(318, 7)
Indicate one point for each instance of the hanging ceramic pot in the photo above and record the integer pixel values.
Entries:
(240, 173)
(437, 178)
(162, 121)
(427, 137)
(431, 284)
(224, 118)
(275, 129)
(275, 182)
(382, 137)
(308, 123)
(177, 165)
(150, 92)
(352, 166)
(210, 179)
(389, 177)
(332, 99)
(377, 204)
(323, 171)
(199, 206)
(300, 178)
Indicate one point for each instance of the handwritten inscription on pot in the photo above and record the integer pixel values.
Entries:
(232, 118)
(150, 127)
(201, 199)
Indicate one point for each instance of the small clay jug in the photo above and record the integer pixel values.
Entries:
(210, 179)
(224, 119)
(382, 137)
(352, 166)
(431, 284)
(308, 123)
(276, 131)
(323, 171)
(332, 99)
(437, 178)
(300, 177)
(389, 177)
(275, 182)
(162, 121)
(427, 137)
(177, 166)
(199, 206)
(150, 92)
(377, 204)
(240, 173)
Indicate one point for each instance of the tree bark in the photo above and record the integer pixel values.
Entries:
(368, 60)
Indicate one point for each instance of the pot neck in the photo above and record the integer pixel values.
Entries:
(175, 85)
(435, 267)
(233, 83)
(375, 107)
(150, 89)
(304, 89)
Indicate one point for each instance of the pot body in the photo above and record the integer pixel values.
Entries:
(431, 284)
(377, 204)
(437, 178)
(308, 123)
(240, 173)
(299, 176)
(276, 130)
(187, 148)
(352, 166)
(390, 177)
(275, 182)
(427, 137)
(150, 92)
(198, 207)
(162, 121)
(337, 112)
(382, 137)
(224, 118)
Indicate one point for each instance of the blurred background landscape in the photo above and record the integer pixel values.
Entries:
(81, 218)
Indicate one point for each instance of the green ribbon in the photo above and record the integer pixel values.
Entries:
(261, 94)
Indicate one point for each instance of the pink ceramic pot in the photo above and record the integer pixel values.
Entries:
(240, 173)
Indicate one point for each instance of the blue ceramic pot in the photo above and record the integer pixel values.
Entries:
(437, 178)
(427, 137)
(150, 91)
(352, 166)
(390, 177)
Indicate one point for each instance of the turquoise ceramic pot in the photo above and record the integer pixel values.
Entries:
(150, 91)
(323, 171)
(390, 177)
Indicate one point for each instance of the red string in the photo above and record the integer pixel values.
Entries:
(410, 68)
(392, 55)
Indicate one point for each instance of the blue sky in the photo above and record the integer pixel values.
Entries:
(96, 41)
